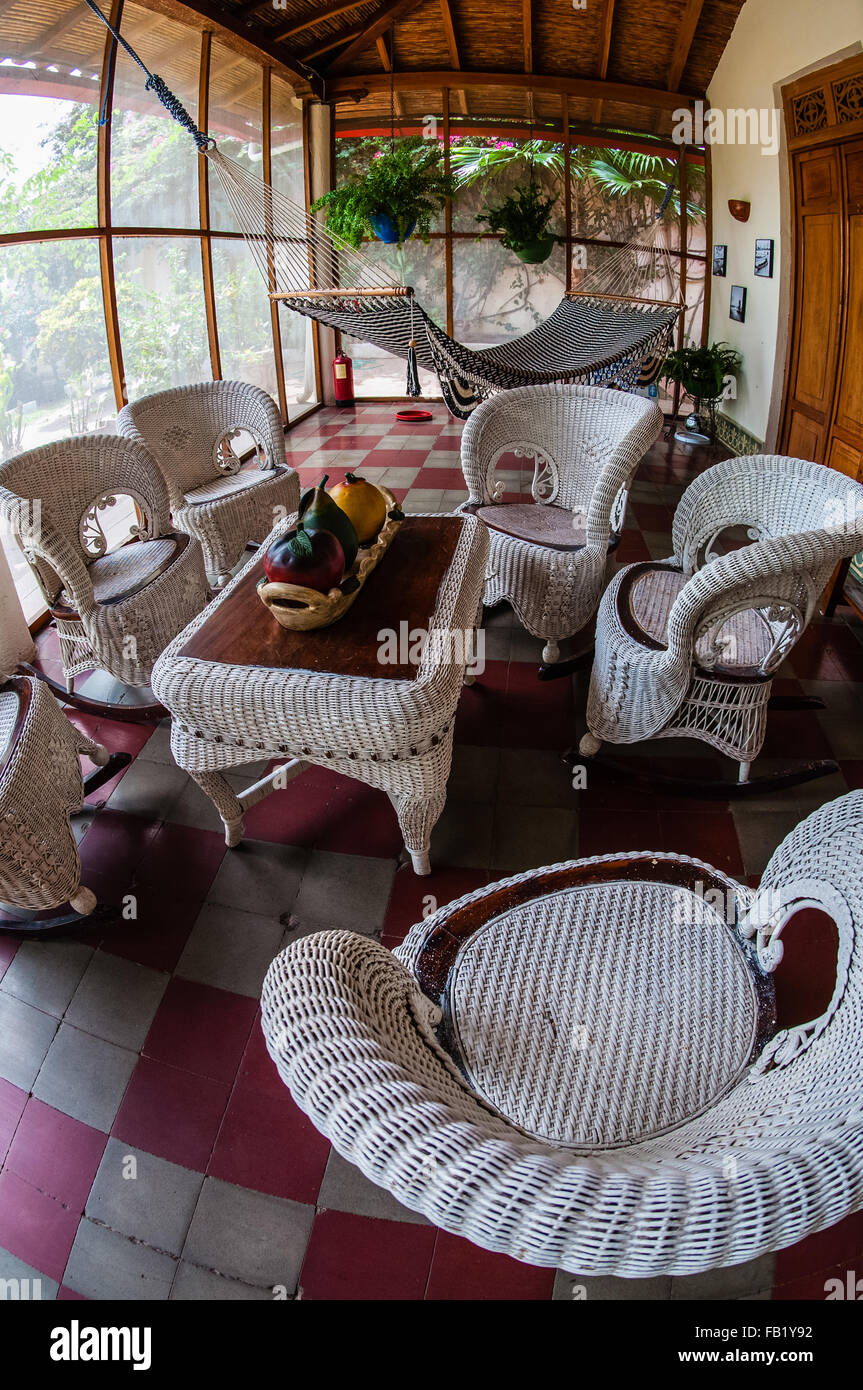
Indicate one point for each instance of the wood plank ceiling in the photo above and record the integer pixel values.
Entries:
(619, 62)
(622, 64)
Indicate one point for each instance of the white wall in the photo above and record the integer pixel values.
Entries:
(773, 42)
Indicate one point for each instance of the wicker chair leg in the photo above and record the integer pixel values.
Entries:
(84, 901)
(226, 802)
(105, 771)
(566, 668)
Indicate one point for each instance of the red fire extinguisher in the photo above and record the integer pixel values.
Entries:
(343, 379)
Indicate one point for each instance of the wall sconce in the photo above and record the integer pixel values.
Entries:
(739, 209)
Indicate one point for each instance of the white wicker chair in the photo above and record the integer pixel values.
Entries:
(548, 558)
(689, 646)
(114, 609)
(40, 786)
(580, 1066)
(189, 431)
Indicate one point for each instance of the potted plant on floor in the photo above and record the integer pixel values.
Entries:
(397, 197)
(521, 221)
(701, 373)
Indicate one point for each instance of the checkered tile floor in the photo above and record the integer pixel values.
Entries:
(148, 1148)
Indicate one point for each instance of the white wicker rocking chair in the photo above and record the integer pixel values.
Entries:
(114, 609)
(580, 1067)
(689, 646)
(40, 786)
(548, 558)
(189, 431)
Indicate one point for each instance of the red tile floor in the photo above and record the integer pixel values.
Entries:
(148, 1149)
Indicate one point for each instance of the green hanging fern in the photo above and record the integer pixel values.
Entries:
(522, 218)
(407, 182)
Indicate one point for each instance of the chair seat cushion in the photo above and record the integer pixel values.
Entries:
(745, 639)
(126, 570)
(541, 523)
(229, 484)
(601, 1015)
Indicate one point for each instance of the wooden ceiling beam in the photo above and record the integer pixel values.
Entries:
(391, 11)
(624, 93)
(386, 60)
(605, 52)
(527, 28)
(452, 45)
(310, 21)
(253, 40)
(685, 39)
(334, 41)
(43, 41)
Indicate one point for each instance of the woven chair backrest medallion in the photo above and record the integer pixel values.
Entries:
(601, 1016)
(113, 518)
(233, 443)
(545, 482)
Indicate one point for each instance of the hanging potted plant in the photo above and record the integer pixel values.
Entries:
(521, 221)
(701, 373)
(401, 192)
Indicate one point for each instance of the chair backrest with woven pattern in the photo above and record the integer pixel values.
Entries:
(771, 496)
(50, 496)
(189, 429)
(581, 430)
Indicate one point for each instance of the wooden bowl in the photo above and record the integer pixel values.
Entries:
(301, 609)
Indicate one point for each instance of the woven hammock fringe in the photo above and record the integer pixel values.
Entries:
(413, 382)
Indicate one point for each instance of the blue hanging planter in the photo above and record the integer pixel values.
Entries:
(386, 228)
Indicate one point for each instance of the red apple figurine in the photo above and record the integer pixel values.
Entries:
(314, 560)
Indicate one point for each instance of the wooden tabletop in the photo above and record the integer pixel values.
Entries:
(403, 588)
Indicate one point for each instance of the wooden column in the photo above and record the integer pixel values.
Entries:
(447, 219)
(307, 187)
(267, 171)
(204, 210)
(103, 202)
(683, 223)
(708, 233)
(567, 189)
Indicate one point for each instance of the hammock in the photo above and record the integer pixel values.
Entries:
(612, 335)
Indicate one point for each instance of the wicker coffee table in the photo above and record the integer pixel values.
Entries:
(240, 687)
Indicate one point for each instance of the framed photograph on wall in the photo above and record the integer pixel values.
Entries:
(738, 303)
(720, 260)
(764, 259)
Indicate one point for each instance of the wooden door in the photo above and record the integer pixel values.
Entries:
(823, 409)
(846, 436)
(818, 298)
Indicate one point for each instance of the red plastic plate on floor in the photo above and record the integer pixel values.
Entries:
(413, 417)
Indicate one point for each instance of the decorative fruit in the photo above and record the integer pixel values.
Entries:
(319, 512)
(316, 561)
(363, 503)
